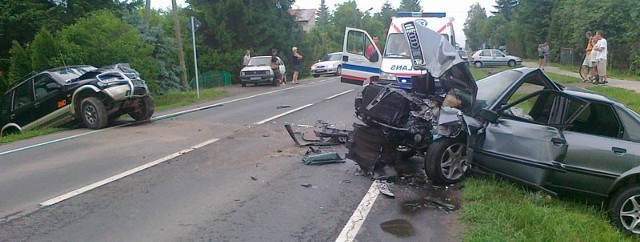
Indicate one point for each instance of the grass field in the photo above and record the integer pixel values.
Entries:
(497, 210)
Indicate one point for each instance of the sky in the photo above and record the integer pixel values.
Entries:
(454, 8)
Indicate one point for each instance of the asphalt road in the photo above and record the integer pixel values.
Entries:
(224, 170)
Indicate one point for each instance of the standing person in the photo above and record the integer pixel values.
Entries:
(246, 58)
(275, 67)
(586, 63)
(545, 52)
(371, 51)
(295, 58)
(540, 57)
(600, 50)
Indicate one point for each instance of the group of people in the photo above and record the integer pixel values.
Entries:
(296, 58)
(595, 58)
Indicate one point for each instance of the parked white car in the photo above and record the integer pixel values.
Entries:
(330, 64)
(259, 71)
(494, 57)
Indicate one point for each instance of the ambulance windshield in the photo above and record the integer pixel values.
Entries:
(397, 47)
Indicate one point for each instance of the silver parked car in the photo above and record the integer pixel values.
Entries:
(494, 57)
(330, 64)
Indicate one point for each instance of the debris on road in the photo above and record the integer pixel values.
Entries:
(384, 189)
(326, 136)
(322, 158)
(253, 178)
(283, 106)
(306, 184)
(443, 205)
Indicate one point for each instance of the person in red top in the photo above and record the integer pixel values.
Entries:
(370, 49)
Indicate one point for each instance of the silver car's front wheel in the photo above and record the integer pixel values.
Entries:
(624, 210)
(446, 160)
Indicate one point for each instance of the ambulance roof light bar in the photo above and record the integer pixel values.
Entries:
(422, 14)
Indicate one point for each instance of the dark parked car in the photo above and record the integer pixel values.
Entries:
(518, 124)
(57, 96)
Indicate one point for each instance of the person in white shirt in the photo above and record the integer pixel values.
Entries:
(247, 57)
(600, 52)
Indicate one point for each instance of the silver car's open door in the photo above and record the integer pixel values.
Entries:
(361, 58)
(526, 143)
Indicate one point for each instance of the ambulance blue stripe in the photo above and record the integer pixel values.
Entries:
(361, 68)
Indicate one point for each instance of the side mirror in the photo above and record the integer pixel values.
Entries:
(489, 115)
(53, 85)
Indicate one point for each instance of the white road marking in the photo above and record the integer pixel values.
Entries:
(339, 94)
(122, 175)
(283, 114)
(354, 224)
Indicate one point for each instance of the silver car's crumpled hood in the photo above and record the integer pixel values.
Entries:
(432, 52)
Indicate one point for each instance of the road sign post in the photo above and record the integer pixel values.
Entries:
(193, 26)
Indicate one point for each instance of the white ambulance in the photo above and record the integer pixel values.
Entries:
(363, 63)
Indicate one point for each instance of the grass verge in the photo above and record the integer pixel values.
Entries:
(496, 210)
(28, 134)
(163, 102)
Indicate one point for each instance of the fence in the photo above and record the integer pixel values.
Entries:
(566, 56)
(212, 79)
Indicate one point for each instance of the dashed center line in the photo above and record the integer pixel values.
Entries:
(121, 175)
(354, 224)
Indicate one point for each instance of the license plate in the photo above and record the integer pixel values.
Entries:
(255, 78)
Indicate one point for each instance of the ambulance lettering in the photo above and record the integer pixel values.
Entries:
(401, 68)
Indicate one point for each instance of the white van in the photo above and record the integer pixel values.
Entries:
(395, 66)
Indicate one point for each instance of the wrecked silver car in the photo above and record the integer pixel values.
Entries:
(518, 124)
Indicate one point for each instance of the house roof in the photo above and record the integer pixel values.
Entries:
(303, 14)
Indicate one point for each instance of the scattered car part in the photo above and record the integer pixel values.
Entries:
(322, 158)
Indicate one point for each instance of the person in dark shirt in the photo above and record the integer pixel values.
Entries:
(275, 67)
(295, 57)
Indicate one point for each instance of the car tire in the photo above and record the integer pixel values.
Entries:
(243, 84)
(511, 63)
(339, 71)
(445, 160)
(622, 211)
(145, 111)
(93, 113)
(477, 64)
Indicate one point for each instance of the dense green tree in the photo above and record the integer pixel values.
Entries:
(44, 51)
(475, 19)
(20, 63)
(410, 6)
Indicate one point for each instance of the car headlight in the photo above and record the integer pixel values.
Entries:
(242, 73)
(313, 66)
(387, 76)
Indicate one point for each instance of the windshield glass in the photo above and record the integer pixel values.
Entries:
(260, 61)
(462, 53)
(332, 57)
(69, 73)
(397, 47)
(490, 88)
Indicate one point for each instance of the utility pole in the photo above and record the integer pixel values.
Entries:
(176, 27)
(147, 12)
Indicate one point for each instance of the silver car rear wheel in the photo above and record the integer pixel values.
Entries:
(624, 209)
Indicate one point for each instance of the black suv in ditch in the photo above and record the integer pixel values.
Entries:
(58, 96)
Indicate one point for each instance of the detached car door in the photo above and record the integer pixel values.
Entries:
(361, 58)
(526, 143)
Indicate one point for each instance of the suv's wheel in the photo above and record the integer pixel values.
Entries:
(316, 75)
(477, 64)
(244, 84)
(93, 113)
(511, 63)
(624, 209)
(145, 110)
(446, 161)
